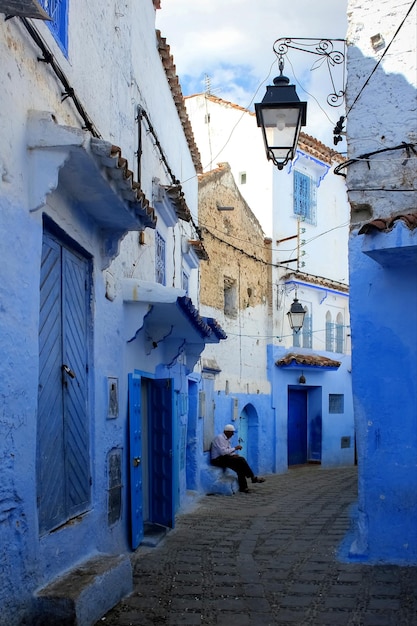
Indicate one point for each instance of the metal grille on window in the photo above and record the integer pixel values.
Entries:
(336, 403)
(339, 333)
(160, 259)
(329, 333)
(304, 197)
(57, 10)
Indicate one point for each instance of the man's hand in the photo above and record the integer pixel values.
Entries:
(238, 447)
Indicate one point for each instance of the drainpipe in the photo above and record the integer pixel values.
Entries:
(139, 151)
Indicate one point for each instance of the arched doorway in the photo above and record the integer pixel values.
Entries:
(248, 434)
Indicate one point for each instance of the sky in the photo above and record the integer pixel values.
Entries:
(228, 47)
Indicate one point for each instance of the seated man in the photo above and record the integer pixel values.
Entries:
(223, 455)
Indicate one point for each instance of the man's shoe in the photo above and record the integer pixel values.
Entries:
(247, 490)
(257, 479)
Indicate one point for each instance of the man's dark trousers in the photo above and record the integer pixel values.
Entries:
(239, 465)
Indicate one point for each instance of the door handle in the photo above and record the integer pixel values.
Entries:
(68, 371)
(136, 461)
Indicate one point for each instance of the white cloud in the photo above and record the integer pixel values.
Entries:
(232, 41)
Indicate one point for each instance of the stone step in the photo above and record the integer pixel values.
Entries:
(86, 593)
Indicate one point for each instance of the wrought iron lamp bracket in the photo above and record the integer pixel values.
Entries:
(325, 50)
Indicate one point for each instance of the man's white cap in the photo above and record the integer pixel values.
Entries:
(229, 428)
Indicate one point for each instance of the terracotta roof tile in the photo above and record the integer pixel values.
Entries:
(199, 249)
(386, 224)
(176, 195)
(316, 280)
(199, 323)
(110, 157)
(170, 71)
(314, 360)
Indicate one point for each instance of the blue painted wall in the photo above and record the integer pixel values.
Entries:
(384, 368)
(319, 384)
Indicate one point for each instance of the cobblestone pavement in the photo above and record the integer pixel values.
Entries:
(264, 558)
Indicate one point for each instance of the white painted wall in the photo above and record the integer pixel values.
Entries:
(113, 65)
(232, 136)
(243, 356)
(390, 119)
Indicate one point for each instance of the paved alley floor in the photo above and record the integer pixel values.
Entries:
(264, 558)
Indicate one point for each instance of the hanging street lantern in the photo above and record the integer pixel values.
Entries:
(281, 115)
(296, 315)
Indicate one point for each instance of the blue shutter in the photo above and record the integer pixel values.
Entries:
(301, 194)
(58, 11)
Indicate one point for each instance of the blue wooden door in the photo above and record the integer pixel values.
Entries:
(63, 462)
(135, 460)
(161, 452)
(297, 427)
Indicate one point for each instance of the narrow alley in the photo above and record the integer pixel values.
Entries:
(273, 556)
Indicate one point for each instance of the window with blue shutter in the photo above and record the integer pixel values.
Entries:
(160, 259)
(329, 333)
(304, 197)
(339, 333)
(58, 11)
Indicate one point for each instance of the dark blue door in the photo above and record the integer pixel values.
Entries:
(63, 465)
(297, 427)
(161, 453)
(135, 460)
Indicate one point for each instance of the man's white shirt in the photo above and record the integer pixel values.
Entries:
(221, 446)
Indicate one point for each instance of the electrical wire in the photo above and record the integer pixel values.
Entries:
(244, 112)
(211, 228)
(312, 332)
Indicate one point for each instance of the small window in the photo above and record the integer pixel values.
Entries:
(307, 330)
(336, 403)
(58, 11)
(160, 259)
(207, 118)
(329, 332)
(230, 297)
(339, 333)
(242, 178)
(304, 197)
